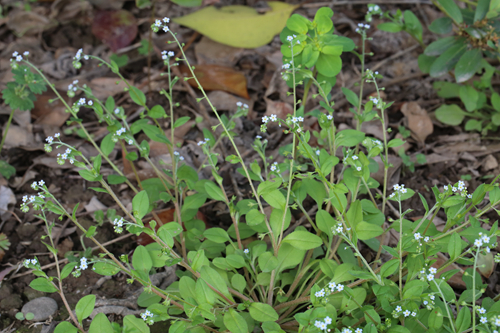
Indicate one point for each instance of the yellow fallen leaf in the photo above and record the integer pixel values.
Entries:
(239, 26)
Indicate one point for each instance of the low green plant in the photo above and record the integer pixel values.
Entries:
(292, 277)
(467, 37)
(19, 94)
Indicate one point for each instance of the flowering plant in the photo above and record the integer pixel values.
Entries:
(292, 277)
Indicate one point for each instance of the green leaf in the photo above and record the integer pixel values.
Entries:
(67, 327)
(468, 64)
(115, 179)
(351, 96)
(67, 269)
(463, 319)
(120, 61)
(100, 324)
(275, 198)
(42, 284)
(6, 169)
(107, 144)
(137, 96)
(469, 97)
(234, 322)
(267, 262)
(390, 27)
(84, 307)
(442, 25)
(132, 324)
(413, 25)
(238, 282)
(140, 204)
(181, 121)
(298, 24)
(389, 268)
(188, 3)
(366, 230)
(328, 65)
(17, 99)
(141, 259)
(88, 175)
(414, 288)
(214, 192)
(325, 222)
(203, 294)
(450, 114)
(217, 235)
(482, 9)
(495, 101)
(262, 312)
(289, 256)
(147, 298)
(227, 24)
(303, 240)
(455, 246)
(446, 61)
(254, 217)
(156, 112)
(441, 45)
(349, 138)
(452, 10)
(212, 277)
(435, 320)
(105, 268)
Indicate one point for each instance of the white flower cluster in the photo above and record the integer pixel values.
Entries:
(161, 24)
(121, 131)
(78, 57)
(72, 88)
(166, 55)
(28, 262)
(272, 117)
(419, 238)
(398, 311)
(483, 240)
(398, 189)
(322, 325)
(339, 229)
(292, 38)
(460, 187)
(494, 321)
(372, 10)
(429, 276)
(274, 167)
(203, 142)
(241, 105)
(146, 315)
(349, 330)
(118, 223)
(32, 199)
(362, 27)
(83, 264)
(176, 153)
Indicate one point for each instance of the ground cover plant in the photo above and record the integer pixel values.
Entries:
(268, 271)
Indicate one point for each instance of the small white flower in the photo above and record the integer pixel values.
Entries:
(426, 239)
(317, 323)
(245, 106)
(328, 320)
(403, 190)
(485, 239)
(469, 196)
(406, 313)
(19, 58)
(340, 287)
(367, 26)
(34, 261)
(239, 104)
(425, 302)
(322, 326)
(91, 102)
(413, 314)
(398, 308)
(478, 242)
(483, 320)
(329, 117)
(246, 251)
(273, 167)
(354, 157)
(15, 54)
(445, 187)
(433, 270)
(273, 117)
(25, 198)
(130, 141)
(41, 182)
(332, 285)
(34, 186)
(117, 111)
(432, 297)
(481, 310)
(454, 189)
(320, 293)
(289, 38)
(358, 330)
(417, 236)
(265, 119)
(49, 139)
(497, 322)
(318, 152)
(358, 168)
(430, 277)
(286, 66)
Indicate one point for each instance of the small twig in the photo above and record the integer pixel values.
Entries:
(56, 241)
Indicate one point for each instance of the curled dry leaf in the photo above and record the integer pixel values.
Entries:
(210, 52)
(115, 28)
(48, 112)
(102, 87)
(216, 77)
(29, 22)
(418, 121)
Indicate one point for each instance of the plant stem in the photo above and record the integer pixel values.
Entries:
(7, 125)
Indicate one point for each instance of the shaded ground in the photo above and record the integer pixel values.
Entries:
(62, 28)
